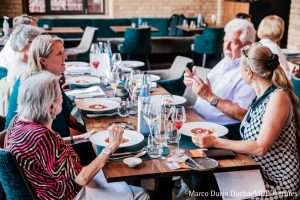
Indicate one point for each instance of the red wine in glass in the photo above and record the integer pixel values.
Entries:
(95, 64)
(178, 124)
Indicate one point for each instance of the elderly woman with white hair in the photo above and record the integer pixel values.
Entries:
(55, 172)
(21, 39)
(47, 53)
(7, 53)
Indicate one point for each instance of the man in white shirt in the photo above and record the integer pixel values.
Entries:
(224, 97)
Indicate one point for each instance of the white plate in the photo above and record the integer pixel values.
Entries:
(133, 138)
(82, 80)
(76, 64)
(178, 100)
(154, 78)
(132, 64)
(290, 51)
(85, 104)
(219, 129)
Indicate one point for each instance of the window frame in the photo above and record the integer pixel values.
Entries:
(49, 12)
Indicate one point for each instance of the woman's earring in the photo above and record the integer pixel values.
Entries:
(52, 114)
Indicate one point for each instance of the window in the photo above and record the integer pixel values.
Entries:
(47, 7)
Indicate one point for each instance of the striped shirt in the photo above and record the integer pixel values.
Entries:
(49, 163)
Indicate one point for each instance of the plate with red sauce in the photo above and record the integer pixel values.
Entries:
(200, 128)
(82, 80)
(96, 104)
(130, 138)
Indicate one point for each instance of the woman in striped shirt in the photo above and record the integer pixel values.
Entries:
(49, 163)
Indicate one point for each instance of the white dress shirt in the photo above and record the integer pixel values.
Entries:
(276, 50)
(226, 83)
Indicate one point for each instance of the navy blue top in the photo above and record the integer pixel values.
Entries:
(60, 123)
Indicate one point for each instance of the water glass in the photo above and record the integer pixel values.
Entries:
(116, 61)
(185, 23)
(114, 80)
(193, 24)
(145, 24)
(124, 108)
(154, 147)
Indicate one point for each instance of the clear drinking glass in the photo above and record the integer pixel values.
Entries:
(114, 80)
(178, 118)
(185, 23)
(124, 108)
(151, 115)
(116, 61)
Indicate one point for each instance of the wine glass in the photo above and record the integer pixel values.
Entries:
(178, 118)
(114, 81)
(116, 61)
(94, 58)
(151, 116)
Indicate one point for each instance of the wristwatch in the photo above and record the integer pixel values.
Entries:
(107, 150)
(214, 101)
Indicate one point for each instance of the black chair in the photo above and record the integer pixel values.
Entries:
(176, 19)
(233, 131)
(137, 42)
(12, 178)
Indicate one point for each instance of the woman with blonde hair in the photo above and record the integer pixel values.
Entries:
(47, 53)
(270, 32)
(270, 129)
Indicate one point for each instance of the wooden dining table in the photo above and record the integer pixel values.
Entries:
(157, 168)
(122, 29)
(58, 30)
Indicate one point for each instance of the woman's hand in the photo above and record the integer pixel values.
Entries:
(204, 140)
(87, 135)
(115, 136)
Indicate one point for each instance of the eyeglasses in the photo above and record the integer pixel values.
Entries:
(246, 55)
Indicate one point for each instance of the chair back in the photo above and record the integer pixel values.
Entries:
(3, 72)
(137, 41)
(210, 42)
(11, 177)
(89, 36)
(177, 68)
(296, 84)
(176, 19)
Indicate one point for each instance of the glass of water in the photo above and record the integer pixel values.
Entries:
(124, 108)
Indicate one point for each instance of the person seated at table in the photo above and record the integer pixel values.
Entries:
(224, 97)
(243, 16)
(7, 53)
(47, 53)
(270, 32)
(21, 39)
(271, 128)
(54, 172)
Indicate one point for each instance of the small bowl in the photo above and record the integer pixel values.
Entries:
(132, 161)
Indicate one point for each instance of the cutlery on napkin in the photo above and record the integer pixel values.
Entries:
(74, 70)
(86, 93)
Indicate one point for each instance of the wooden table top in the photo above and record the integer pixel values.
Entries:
(58, 30)
(122, 29)
(189, 29)
(118, 171)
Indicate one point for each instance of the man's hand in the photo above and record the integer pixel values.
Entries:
(202, 89)
(188, 76)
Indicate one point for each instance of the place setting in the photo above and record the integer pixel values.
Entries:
(74, 68)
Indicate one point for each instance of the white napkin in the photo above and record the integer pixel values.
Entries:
(77, 70)
(153, 84)
(240, 184)
(86, 93)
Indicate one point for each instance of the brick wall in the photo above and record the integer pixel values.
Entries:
(294, 26)
(164, 8)
(11, 8)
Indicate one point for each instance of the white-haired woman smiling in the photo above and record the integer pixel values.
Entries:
(21, 39)
(54, 171)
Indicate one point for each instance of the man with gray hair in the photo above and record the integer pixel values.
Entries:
(224, 97)
(7, 52)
